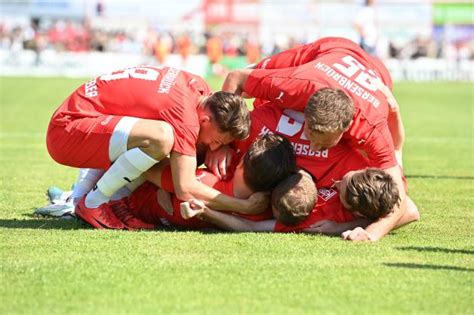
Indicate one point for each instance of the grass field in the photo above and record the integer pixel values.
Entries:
(62, 267)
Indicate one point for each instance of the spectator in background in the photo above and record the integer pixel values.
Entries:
(215, 49)
(162, 48)
(184, 46)
(252, 50)
(366, 27)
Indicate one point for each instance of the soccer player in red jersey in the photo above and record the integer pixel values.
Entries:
(337, 84)
(329, 211)
(329, 166)
(151, 205)
(137, 116)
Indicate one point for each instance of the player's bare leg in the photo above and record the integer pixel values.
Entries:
(135, 146)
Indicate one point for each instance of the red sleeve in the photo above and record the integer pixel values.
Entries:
(291, 57)
(375, 140)
(185, 139)
(167, 179)
(262, 121)
(281, 87)
(383, 71)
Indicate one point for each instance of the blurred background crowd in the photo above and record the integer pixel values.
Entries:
(229, 33)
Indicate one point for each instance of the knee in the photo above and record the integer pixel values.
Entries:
(154, 137)
(160, 140)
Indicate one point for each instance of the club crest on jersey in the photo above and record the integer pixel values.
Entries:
(326, 193)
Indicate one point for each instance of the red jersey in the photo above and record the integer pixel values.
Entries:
(159, 93)
(328, 207)
(144, 205)
(336, 63)
(324, 165)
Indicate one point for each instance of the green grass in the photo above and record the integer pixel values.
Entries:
(62, 267)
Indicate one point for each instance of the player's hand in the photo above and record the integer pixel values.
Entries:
(327, 227)
(164, 200)
(356, 235)
(257, 203)
(192, 208)
(219, 160)
(235, 81)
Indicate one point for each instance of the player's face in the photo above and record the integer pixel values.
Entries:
(320, 141)
(341, 186)
(241, 190)
(211, 136)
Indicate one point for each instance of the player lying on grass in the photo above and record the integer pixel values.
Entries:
(269, 160)
(376, 187)
(335, 83)
(149, 204)
(122, 123)
(335, 212)
(293, 199)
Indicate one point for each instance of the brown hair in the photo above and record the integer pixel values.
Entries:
(269, 160)
(373, 193)
(294, 198)
(230, 113)
(329, 110)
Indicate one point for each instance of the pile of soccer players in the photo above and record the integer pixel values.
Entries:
(319, 153)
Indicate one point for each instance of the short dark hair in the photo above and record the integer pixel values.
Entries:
(230, 113)
(294, 198)
(329, 110)
(373, 193)
(269, 160)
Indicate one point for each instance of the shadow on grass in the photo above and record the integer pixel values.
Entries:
(46, 224)
(426, 266)
(38, 222)
(437, 250)
(440, 177)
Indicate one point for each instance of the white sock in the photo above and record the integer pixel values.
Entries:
(125, 169)
(86, 180)
(127, 190)
(121, 193)
(136, 183)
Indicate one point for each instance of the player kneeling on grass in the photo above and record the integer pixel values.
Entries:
(299, 207)
(121, 124)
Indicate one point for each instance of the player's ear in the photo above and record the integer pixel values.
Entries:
(204, 119)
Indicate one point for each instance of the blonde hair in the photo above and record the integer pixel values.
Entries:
(329, 110)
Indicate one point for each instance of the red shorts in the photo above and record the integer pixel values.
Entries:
(81, 142)
(144, 205)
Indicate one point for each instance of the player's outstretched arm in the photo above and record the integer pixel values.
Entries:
(224, 221)
(382, 226)
(329, 227)
(188, 187)
(277, 85)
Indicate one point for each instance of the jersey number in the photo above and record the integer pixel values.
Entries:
(351, 67)
(291, 122)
